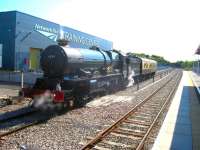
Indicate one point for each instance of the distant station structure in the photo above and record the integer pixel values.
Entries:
(196, 64)
(23, 37)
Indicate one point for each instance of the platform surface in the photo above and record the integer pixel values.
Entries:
(181, 127)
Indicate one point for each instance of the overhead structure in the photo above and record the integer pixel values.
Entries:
(198, 51)
(196, 63)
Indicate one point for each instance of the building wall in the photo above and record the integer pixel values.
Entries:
(28, 38)
(7, 39)
(36, 33)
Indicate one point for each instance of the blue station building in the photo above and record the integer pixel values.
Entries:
(23, 37)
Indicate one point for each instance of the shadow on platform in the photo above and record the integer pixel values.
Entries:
(184, 124)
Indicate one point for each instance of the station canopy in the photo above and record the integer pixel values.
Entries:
(198, 51)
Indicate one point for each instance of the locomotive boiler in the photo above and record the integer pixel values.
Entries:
(73, 75)
(57, 61)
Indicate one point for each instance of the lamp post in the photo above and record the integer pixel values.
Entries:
(21, 67)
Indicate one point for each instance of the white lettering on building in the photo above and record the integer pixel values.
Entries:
(68, 36)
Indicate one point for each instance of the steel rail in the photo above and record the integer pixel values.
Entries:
(108, 130)
(18, 129)
(23, 126)
(141, 144)
(11, 116)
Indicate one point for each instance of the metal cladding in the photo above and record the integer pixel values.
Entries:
(57, 60)
(20, 33)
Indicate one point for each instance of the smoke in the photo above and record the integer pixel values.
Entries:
(44, 101)
(130, 78)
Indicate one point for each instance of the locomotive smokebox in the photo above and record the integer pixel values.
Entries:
(53, 60)
(58, 60)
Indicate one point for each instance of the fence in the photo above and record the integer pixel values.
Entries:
(15, 77)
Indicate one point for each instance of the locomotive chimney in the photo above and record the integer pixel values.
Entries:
(61, 38)
(62, 42)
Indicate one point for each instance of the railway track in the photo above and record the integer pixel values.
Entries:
(22, 120)
(7, 126)
(132, 130)
(158, 76)
(16, 114)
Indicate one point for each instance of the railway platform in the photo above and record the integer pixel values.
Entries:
(181, 127)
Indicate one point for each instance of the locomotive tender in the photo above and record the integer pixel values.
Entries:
(72, 74)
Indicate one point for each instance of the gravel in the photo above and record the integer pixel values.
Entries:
(68, 130)
(9, 100)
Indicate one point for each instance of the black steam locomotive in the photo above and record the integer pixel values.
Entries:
(71, 75)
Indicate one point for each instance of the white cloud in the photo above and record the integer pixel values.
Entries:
(169, 28)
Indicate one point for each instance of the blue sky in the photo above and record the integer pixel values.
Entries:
(168, 28)
(39, 8)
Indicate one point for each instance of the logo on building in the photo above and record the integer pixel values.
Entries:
(51, 33)
(54, 34)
